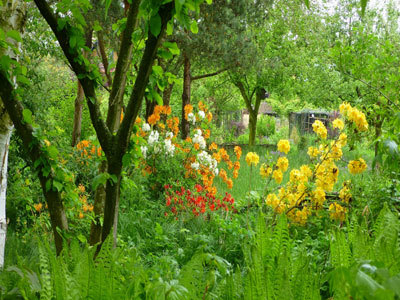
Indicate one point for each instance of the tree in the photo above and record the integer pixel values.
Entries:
(12, 19)
(114, 142)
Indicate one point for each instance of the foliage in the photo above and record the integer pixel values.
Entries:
(265, 125)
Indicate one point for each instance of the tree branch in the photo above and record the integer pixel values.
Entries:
(209, 74)
(142, 79)
(123, 62)
(83, 73)
(34, 150)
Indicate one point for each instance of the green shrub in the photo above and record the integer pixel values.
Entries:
(265, 125)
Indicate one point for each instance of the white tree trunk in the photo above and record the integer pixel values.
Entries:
(12, 17)
(5, 134)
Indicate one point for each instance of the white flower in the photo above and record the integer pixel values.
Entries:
(202, 114)
(195, 165)
(198, 132)
(146, 127)
(216, 171)
(153, 137)
(169, 134)
(169, 148)
(157, 149)
(144, 151)
(192, 118)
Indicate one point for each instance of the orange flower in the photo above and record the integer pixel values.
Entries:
(238, 152)
(38, 206)
(158, 109)
(153, 119)
(82, 144)
(81, 188)
(93, 150)
(236, 165)
(207, 133)
(99, 151)
(188, 139)
(202, 106)
(235, 174)
(166, 110)
(196, 146)
(230, 165)
(209, 116)
(81, 215)
(188, 109)
(229, 183)
(213, 146)
(121, 117)
(138, 120)
(223, 175)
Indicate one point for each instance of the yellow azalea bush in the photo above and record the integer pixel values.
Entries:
(168, 160)
(306, 191)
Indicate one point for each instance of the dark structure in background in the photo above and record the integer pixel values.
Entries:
(300, 123)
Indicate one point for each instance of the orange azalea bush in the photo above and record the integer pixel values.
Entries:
(169, 161)
(306, 191)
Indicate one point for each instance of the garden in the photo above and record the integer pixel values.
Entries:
(195, 149)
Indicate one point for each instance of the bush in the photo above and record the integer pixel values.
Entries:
(265, 125)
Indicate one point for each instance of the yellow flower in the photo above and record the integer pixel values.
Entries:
(337, 123)
(357, 166)
(283, 164)
(306, 171)
(319, 196)
(252, 158)
(265, 170)
(344, 108)
(320, 129)
(342, 140)
(278, 176)
(284, 146)
(312, 152)
(337, 212)
(345, 194)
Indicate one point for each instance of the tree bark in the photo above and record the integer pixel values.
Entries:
(5, 134)
(77, 128)
(252, 127)
(185, 95)
(36, 154)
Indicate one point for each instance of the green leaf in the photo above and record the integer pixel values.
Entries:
(27, 116)
(194, 28)
(158, 70)
(14, 35)
(53, 152)
(172, 47)
(158, 98)
(392, 147)
(58, 185)
(72, 41)
(170, 28)
(100, 179)
(209, 1)
(155, 25)
(97, 27)
(126, 159)
(48, 185)
(108, 3)
(23, 79)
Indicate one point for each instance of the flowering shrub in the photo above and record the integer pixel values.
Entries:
(195, 202)
(168, 160)
(306, 191)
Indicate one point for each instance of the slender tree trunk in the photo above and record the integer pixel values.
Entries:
(378, 132)
(150, 105)
(5, 134)
(167, 94)
(185, 95)
(252, 127)
(80, 97)
(76, 131)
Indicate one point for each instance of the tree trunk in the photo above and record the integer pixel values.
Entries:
(80, 97)
(252, 127)
(185, 95)
(378, 132)
(76, 132)
(150, 104)
(12, 17)
(5, 134)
